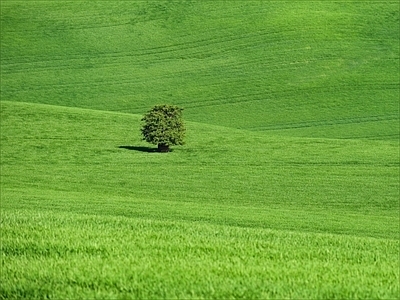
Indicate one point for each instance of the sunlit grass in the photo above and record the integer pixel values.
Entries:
(112, 257)
(231, 214)
(313, 69)
(287, 187)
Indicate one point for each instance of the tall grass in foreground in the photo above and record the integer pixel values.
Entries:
(64, 255)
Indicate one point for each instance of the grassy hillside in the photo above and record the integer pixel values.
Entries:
(288, 186)
(72, 153)
(230, 214)
(305, 68)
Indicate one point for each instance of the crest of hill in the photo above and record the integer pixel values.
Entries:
(308, 69)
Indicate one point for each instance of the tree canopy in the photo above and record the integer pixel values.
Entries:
(163, 126)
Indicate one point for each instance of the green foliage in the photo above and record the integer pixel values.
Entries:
(163, 126)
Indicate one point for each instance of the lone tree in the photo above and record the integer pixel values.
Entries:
(163, 126)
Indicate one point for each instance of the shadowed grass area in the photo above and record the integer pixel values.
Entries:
(139, 148)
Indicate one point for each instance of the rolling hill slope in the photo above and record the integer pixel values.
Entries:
(288, 186)
(52, 152)
(88, 210)
(313, 69)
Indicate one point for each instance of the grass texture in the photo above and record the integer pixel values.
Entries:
(288, 186)
(62, 255)
(297, 68)
(94, 201)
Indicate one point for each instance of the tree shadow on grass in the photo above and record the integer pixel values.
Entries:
(139, 148)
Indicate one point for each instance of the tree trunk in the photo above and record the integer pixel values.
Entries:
(163, 148)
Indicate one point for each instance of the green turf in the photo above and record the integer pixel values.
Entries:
(287, 187)
(65, 169)
(290, 67)
(62, 255)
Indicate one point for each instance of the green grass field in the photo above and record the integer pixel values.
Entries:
(287, 187)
